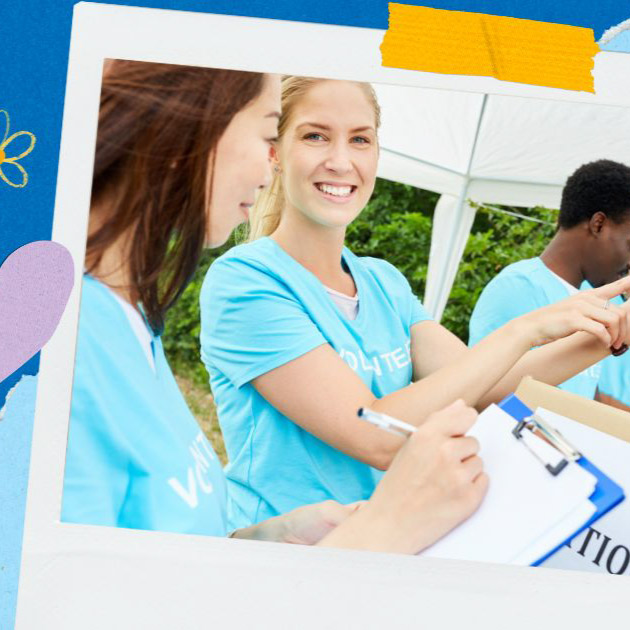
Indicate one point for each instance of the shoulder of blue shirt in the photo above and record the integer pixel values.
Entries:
(524, 275)
(514, 291)
(255, 250)
(256, 256)
(98, 306)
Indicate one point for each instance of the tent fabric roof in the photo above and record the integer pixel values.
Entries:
(494, 139)
(490, 149)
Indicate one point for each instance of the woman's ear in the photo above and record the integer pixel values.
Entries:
(273, 158)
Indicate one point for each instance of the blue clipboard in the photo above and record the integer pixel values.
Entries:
(607, 493)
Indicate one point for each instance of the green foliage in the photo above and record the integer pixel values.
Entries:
(395, 226)
(183, 325)
(496, 241)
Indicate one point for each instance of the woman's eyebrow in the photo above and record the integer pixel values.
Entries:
(273, 115)
(316, 125)
(327, 128)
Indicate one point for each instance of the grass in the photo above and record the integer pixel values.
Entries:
(202, 405)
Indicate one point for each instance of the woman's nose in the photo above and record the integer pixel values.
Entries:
(338, 158)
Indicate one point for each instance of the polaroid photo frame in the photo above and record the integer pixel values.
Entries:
(74, 575)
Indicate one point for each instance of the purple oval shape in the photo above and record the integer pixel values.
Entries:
(35, 284)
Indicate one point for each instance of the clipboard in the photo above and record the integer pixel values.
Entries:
(543, 491)
(607, 493)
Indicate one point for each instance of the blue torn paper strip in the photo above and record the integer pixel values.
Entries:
(16, 429)
(617, 38)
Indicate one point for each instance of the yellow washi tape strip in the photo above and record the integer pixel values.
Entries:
(510, 49)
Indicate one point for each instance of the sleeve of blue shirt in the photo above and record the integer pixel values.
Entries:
(505, 297)
(251, 322)
(418, 312)
(398, 289)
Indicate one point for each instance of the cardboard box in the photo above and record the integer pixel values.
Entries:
(589, 412)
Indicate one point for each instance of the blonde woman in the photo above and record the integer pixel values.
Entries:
(298, 333)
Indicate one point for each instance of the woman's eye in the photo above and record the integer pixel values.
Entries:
(360, 140)
(313, 136)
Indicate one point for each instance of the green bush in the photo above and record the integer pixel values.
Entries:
(395, 226)
(183, 325)
(496, 240)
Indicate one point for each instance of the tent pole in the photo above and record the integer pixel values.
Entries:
(442, 288)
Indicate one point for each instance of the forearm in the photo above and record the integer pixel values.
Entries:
(610, 400)
(361, 530)
(446, 371)
(468, 377)
(304, 525)
(369, 530)
(360, 533)
(553, 364)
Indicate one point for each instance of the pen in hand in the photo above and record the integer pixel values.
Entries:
(385, 422)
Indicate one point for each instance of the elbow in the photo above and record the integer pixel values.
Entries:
(382, 455)
(495, 395)
(381, 463)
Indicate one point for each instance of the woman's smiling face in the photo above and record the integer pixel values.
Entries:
(329, 153)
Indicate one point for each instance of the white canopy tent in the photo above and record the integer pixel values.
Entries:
(489, 149)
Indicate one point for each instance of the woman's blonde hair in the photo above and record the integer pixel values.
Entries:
(264, 216)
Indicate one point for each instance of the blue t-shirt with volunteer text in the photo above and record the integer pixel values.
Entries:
(261, 309)
(615, 378)
(136, 456)
(518, 289)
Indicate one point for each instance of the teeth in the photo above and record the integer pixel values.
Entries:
(337, 191)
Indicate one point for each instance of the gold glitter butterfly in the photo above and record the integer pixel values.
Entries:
(5, 160)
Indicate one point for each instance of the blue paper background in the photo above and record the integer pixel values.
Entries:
(33, 62)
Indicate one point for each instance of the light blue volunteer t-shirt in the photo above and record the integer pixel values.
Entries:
(261, 309)
(518, 289)
(615, 378)
(136, 456)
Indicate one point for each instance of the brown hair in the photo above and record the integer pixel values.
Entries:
(264, 216)
(158, 126)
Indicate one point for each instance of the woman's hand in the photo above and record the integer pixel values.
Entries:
(308, 524)
(434, 483)
(305, 525)
(589, 311)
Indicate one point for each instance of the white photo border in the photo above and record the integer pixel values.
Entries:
(71, 573)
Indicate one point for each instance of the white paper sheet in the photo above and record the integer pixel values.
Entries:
(556, 535)
(524, 501)
(604, 549)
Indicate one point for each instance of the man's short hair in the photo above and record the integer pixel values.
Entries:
(601, 186)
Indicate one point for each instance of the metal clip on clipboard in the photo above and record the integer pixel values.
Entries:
(544, 430)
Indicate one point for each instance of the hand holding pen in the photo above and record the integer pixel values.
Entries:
(435, 482)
